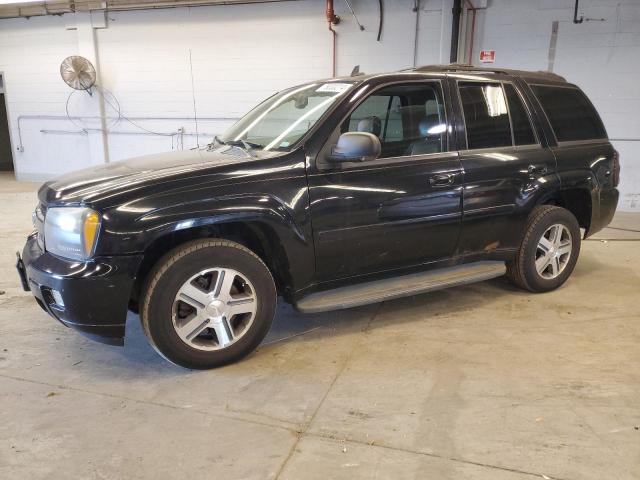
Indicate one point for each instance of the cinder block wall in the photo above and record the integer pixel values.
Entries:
(601, 55)
(244, 53)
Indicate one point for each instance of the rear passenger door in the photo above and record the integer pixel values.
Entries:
(505, 164)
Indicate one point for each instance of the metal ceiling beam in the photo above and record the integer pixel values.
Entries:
(61, 7)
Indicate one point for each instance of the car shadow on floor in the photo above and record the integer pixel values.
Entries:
(291, 326)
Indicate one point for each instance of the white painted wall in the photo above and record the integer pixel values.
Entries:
(602, 57)
(243, 53)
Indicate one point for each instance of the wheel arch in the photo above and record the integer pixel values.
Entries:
(258, 236)
(577, 200)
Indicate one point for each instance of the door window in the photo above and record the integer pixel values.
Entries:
(485, 114)
(408, 119)
(522, 130)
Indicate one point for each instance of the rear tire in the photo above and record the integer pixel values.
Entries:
(208, 303)
(548, 252)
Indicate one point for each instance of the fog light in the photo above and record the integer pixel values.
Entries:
(57, 297)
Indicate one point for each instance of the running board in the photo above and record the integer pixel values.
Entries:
(396, 287)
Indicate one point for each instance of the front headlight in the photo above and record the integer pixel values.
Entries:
(71, 232)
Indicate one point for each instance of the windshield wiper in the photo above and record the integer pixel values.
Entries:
(236, 143)
(243, 143)
(246, 146)
(217, 140)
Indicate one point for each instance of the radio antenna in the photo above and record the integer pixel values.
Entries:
(193, 95)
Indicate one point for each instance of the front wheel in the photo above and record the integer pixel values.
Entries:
(208, 303)
(549, 250)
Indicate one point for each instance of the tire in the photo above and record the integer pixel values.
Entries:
(208, 303)
(524, 270)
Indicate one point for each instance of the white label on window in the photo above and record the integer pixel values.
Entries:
(334, 87)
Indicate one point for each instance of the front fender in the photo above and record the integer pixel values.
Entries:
(237, 208)
(289, 239)
(284, 218)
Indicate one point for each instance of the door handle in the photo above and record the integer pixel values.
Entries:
(441, 180)
(537, 169)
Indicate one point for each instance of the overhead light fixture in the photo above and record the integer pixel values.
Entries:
(8, 2)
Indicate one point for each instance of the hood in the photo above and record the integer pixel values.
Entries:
(91, 184)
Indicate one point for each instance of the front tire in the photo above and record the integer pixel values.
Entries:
(208, 303)
(549, 250)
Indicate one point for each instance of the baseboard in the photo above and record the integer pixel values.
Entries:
(34, 177)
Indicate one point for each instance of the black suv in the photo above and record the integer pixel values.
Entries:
(331, 194)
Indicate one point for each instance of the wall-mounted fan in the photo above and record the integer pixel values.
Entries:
(78, 73)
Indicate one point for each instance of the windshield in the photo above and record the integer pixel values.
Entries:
(281, 120)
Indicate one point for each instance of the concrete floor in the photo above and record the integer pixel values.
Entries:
(480, 382)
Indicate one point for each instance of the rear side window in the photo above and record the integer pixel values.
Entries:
(485, 114)
(570, 113)
(522, 130)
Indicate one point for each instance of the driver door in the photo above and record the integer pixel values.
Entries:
(400, 210)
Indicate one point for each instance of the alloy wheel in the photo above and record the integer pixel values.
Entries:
(214, 308)
(553, 251)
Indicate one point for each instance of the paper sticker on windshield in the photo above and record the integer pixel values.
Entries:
(334, 87)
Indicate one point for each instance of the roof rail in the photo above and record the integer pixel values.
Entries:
(463, 67)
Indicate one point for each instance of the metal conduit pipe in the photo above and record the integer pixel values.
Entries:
(473, 30)
(116, 132)
(20, 147)
(455, 30)
(416, 9)
(332, 19)
(575, 14)
(380, 19)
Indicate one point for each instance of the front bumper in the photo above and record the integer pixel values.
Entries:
(91, 297)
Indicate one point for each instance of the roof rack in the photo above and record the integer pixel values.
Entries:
(463, 67)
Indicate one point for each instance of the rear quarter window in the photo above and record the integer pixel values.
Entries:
(570, 113)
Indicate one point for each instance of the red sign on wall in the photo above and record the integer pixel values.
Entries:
(487, 56)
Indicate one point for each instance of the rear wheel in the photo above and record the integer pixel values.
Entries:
(549, 250)
(208, 303)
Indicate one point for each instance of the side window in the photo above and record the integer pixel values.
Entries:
(485, 114)
(374, 106)
(522, 130)
(570, 113)
(408, 119)
(381, 111)
(393, 131)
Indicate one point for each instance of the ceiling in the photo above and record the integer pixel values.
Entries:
(34, 9)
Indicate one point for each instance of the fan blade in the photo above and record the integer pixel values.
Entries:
(78, 72)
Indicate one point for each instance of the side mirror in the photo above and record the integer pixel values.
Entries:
(355, 147)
